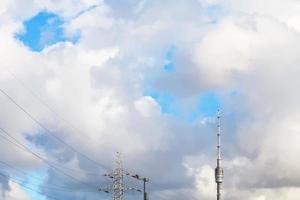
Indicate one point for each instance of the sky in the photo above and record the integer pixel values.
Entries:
(83, 79)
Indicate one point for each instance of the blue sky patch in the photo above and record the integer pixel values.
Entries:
(208, 105)
(167, 101)
(35, 184)
(43, 30)
(169, 65)
(34, 180)
(214, 12)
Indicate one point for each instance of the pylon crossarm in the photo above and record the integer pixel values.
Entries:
(134, 189)
(106, 190)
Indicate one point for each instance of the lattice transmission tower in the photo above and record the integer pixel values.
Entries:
(118, 187)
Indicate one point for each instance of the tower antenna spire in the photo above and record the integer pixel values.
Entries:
(219, 174)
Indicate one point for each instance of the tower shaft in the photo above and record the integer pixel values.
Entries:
(219, 174)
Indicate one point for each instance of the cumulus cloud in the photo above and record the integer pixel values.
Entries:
(97, 91)
(14, 192)
(257, 57)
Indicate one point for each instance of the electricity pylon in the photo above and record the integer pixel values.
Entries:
(117, 175)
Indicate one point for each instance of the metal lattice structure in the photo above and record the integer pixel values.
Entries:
(219, 173)
(117, 175)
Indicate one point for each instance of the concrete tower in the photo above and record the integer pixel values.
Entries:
(219, 174)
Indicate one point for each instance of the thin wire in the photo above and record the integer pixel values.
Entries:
(75, 170)
(49, 132)
(25, 186)
(42, 126)
(42, 159)
(44, 103)
(20, 171)
(47, 187)
(34, 177)
(23, 147)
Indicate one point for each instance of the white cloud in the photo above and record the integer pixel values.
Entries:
(15, 192)
(224, 51)
(85, 21)
(205, 183)
(98, 86)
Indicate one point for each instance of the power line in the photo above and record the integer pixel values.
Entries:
(49, 132)
(35, 178)
(23, 147)
(20, 182)
(56, 168)
(75, 170)
(19, 170)
(32, 189)
(25, 186)
(44, 103)
(20, 145)
(52, 187)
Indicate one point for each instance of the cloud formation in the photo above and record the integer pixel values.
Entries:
(94, 95)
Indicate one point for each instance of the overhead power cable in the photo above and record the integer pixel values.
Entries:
(27, 187)
(45, 104)
(95, 174)
(50, 132)
(50, 187)
(19, 170)
(23, 147)
(58, 187)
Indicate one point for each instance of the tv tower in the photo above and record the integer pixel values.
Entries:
(219, 174)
